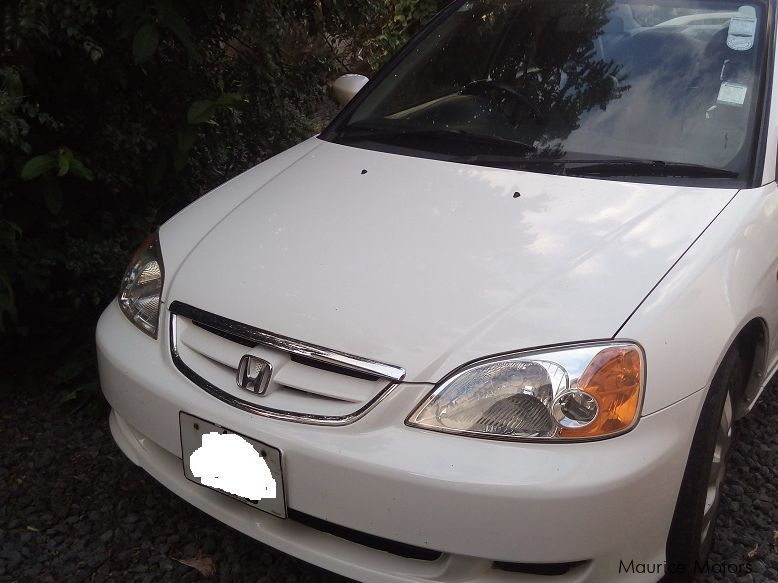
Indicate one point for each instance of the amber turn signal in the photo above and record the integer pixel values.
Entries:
(613, 378)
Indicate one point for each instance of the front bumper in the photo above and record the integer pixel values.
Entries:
(478, 502)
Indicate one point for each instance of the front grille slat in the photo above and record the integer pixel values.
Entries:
(226, 335)
(324, 383)
(333, 368)
(289, 345)
(213, 347)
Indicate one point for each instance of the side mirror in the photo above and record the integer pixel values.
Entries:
(347, 86)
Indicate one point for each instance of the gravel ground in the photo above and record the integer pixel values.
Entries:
(72, 508)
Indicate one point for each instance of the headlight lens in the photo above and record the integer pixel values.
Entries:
(140, 294)
(577, 393)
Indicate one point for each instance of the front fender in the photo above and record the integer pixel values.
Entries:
(725, 280)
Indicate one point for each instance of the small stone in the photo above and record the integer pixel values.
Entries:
(209, 546)
(13, 557)
(757, 567)
(96, 560)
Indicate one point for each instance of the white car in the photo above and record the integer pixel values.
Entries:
(496, 322)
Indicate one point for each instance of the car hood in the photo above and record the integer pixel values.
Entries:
(429, 264)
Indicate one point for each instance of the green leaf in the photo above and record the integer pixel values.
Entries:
(64, 157)
(230, 99)
(82, 391)
(94, 50)
(38, 166)
(78, 169)
(200, 111)
(145, 43)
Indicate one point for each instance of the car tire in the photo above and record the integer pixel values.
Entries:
(691, 532)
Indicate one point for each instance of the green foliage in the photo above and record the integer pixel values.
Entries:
(405, 18)
(115, 115)
(61, 159)
(362, 34)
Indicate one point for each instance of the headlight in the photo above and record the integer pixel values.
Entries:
(577, 393)
(140, 294)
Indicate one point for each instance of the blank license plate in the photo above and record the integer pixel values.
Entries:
(233, 464)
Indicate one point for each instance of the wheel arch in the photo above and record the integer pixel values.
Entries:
(752, 340)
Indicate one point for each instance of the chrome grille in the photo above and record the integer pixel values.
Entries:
(310, 383)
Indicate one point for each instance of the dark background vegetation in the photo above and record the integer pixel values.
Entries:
(114, 115)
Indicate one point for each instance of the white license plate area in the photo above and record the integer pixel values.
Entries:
(233, 464)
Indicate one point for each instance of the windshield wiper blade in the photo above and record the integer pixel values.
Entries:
(379, 133)
(359, 133)
(638, 167)
(604, 167)
(610, 167)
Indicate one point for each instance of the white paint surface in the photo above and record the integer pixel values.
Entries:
(230, 463)
(428, 264)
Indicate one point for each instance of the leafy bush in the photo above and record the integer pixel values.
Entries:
(115, 115)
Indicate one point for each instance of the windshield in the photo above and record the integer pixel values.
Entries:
(657, 88)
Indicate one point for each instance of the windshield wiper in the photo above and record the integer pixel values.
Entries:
(638, 167)
(379, 133)
(605, 167)
(612, 167)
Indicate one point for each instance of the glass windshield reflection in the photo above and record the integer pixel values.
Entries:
(576, 81)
